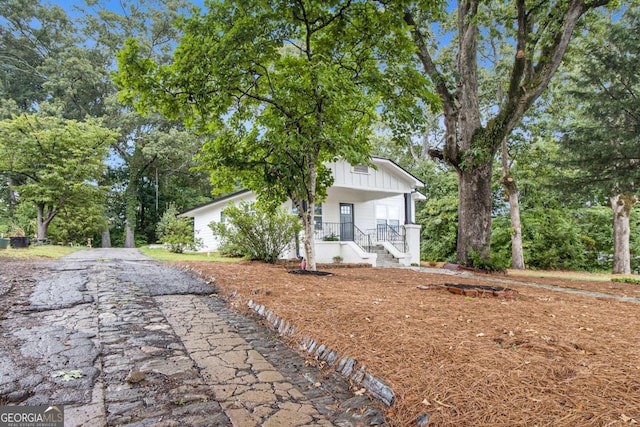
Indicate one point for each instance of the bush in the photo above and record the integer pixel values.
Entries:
(256, 232)
(176, 233)
(631, 280)
(495, 264)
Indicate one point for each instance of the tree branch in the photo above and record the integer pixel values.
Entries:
(449, 105)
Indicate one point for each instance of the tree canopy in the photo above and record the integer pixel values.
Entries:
(601, 130)
(57, 161)
(530, 39)
(279, 89)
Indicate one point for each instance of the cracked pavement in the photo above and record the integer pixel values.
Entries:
(155, 346)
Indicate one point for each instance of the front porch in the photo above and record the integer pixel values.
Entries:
(383, 245)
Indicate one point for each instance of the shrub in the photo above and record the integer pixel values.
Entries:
(495, 263)
(176, 233)
(256, 232)
(631, 280)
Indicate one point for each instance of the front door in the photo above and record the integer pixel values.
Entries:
(346, 221)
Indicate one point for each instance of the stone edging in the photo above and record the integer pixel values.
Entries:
(345, 366)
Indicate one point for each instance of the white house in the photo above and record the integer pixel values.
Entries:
(367, 217)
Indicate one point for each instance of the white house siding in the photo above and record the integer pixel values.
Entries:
(376, 194)
(381, 179)
(204, 216)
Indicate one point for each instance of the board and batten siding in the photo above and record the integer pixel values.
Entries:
(381, 179)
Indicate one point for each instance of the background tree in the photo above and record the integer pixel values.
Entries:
(57, 160)
(540, 33)
(602, 127)
(153, 157)
(273, 132)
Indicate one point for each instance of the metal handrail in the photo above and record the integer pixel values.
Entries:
(394, 235)
(334, 231)
(362, 239)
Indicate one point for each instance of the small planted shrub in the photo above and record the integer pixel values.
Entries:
(331, 238)
(176, 233)
(256, 232)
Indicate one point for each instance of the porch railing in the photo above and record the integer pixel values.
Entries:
(362, 239)
(335, 231)
(328, 231)
(395, 235)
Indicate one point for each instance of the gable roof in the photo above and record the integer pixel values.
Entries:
(405, 173)
(214, 201)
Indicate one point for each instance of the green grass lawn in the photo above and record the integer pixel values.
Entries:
(44, 251)
(162, 254)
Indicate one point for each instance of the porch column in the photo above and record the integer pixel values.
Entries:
(412, 232)
(408, 205)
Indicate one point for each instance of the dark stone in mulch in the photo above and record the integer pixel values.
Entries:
(480, 290)
(310, 272)
(476, 287)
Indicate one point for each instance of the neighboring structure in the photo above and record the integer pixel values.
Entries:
(367, 217)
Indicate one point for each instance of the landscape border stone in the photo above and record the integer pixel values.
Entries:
(347, 365)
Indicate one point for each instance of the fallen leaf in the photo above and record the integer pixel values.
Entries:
(360, 392)
(68, 375)
(444, 404)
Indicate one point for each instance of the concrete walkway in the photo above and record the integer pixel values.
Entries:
(554, 288)
(122, 340)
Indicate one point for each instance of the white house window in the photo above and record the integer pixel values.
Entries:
(388, 216)
(361, 169)
(317, 215)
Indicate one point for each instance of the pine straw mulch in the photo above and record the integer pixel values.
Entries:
(547, 358)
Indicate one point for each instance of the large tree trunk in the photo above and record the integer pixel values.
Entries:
(474, 213)
(517, 252)
(129, 240)
(130, 221)
(509, 184)
(621, 206)
(43, 222)
(106, 238)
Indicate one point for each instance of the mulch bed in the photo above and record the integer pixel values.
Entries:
(310, 272)
(542, 358)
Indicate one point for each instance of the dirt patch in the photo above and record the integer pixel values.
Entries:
(16, 282)
(543, 358)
